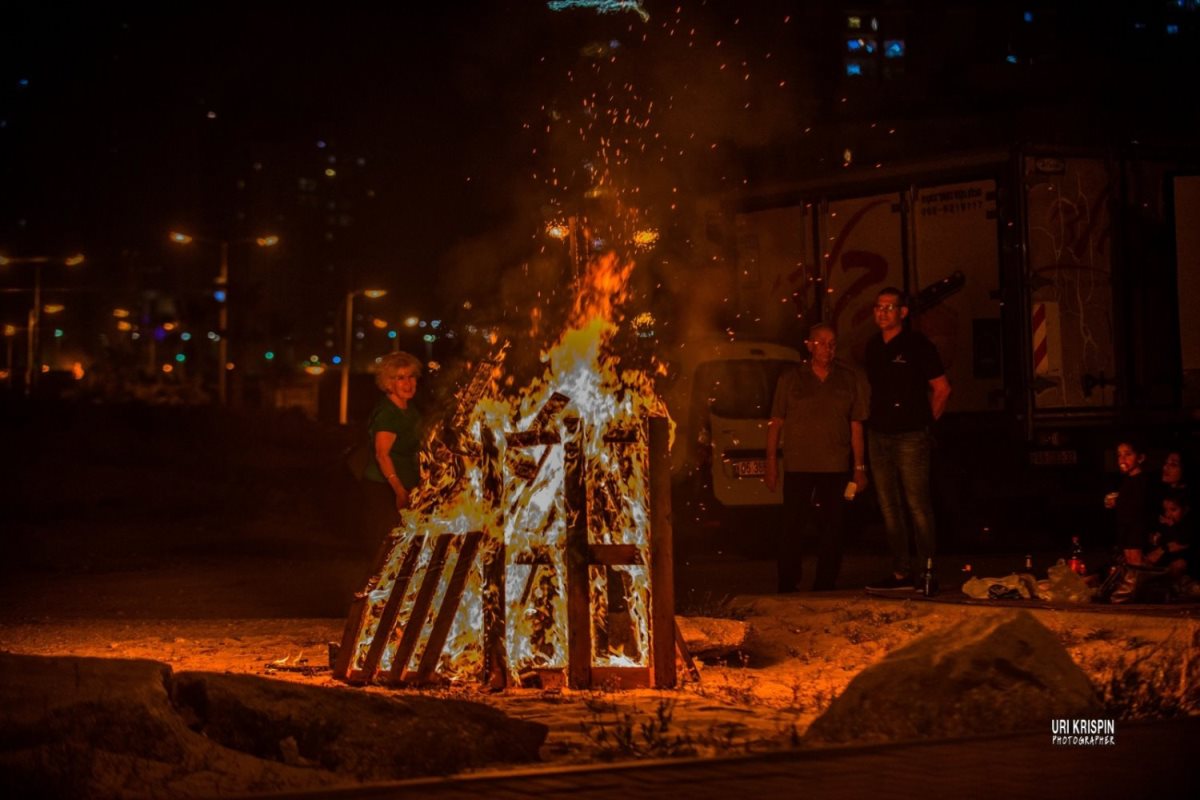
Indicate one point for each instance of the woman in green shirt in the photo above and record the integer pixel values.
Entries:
(394, 430)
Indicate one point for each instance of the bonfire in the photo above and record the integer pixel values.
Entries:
(538, 549)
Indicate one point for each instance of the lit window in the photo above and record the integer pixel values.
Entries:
(854, 23)
(874, 23)
(1011, 59)
(1172, 29)
(854, 68)
(893, 48)
(1028, 16)
(854, 45)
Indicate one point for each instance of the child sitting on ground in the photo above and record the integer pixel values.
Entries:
(1172, 546)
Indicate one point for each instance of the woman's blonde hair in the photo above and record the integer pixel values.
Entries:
(392, 363)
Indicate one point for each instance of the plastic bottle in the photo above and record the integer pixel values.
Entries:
(1076, 562)
(928, 582)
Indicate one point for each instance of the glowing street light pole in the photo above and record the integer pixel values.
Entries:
(223, 326)
(10, 333)
(344, 399)
(222, 283)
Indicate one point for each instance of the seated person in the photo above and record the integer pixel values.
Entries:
(1172, 547)
(1133, 503)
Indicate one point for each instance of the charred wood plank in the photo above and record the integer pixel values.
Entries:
(531, 438)
(391, 609)
(420, 608)
(450, 603)
(536, 555)
(613, 555)
(578, 578)
(626, 434)
(549, 410)
(662, 559)
(686, 654)
(622, 677)
(537, 559)
(342, 665)
(495, 622)
(356, 618)
(493, 479)
(472, 393)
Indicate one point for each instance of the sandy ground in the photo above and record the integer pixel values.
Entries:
(802, 651)
(223, 544)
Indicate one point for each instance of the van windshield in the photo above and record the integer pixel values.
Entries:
(737, 389)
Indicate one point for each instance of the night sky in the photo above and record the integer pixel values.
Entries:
(423, 148)
(449, 130)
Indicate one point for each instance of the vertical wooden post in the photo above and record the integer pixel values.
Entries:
(578, 579)
(662, 557)
(495, 612)
(494, 555)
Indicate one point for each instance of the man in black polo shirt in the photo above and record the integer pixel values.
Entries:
(909, 391)
(818, 409)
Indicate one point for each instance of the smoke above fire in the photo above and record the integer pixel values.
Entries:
(626, 125)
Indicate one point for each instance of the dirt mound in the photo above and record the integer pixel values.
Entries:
(996, 673)
(84, 727)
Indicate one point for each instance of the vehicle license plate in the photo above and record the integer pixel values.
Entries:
(750, 469)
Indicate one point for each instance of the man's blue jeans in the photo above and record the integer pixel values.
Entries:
(900, 467)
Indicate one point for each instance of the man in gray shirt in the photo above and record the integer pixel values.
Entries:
(818, 411)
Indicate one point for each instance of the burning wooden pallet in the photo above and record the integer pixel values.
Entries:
(397, 628)
(539, 548)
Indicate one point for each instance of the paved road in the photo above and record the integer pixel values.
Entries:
(1149, 760)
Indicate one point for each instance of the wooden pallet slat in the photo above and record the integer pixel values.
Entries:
(391, 610)
(420, 608)
(451, 600)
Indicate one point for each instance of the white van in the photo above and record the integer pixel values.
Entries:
(720, 398)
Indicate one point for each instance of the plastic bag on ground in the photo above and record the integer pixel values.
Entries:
(1010, 587)
(1065, 585)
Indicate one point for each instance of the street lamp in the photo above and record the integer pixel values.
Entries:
(344, 404)
(222, 282)
(35, 311)
(10, 333)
